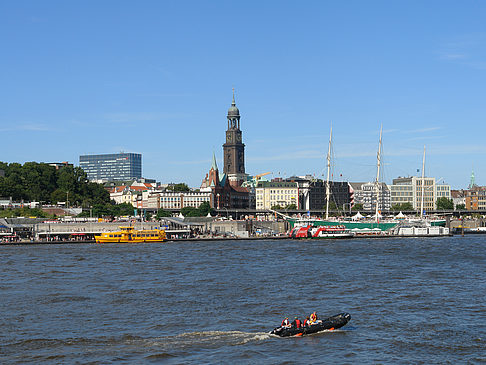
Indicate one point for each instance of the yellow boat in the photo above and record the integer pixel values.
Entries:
(131, 235)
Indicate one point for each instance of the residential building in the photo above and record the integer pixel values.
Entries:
(365, 193)
(409, 190)
(59, 165)
(476, 198)
(458, 197)
(272, 193)
(171, 200)
(130, 193)
(112, 167)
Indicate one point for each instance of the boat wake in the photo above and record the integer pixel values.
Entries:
(205, 339)
(237, 337)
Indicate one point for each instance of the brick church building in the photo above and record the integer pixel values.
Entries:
(226, 188)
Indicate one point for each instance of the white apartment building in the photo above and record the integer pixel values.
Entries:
(409, 190)
(270, 193)
(173, 200)
(365, 194)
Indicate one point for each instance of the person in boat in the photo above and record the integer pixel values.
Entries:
(313, 318)
(306, 322)
(296, 323)
(285, 322)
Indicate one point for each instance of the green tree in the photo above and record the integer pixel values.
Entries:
(332, 206)
(190, 212)
(461, 207)
(357, 207)
(94, 193)
(178, 187)
(402, 207)
(13, 187)
(291, 207)
(57, 196)
(41, 182)
(122, 209)
(204, 209)
(23, 212)
(444, 203)
(163, 213)
(276, 207)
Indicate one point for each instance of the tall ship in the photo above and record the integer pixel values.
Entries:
(132, 235)
(376, 225)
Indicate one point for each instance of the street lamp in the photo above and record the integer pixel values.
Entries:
(218, 199)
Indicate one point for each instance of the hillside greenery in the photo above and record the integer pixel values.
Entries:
(23, 212)
(43, 183)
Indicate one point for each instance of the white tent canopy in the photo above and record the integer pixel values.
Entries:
(400, 215)
(357, 216)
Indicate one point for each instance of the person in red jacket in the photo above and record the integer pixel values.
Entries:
(285, 322)
(296, 323)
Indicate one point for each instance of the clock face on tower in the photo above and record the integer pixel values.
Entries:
(229, 137)
(238, 138)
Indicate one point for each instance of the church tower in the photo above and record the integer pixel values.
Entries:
(234, 149)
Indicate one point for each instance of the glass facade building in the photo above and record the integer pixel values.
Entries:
(112, 167)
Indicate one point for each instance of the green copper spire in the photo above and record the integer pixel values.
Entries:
(214, 166)
(472, 183)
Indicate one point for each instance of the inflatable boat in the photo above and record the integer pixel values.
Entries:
(330, 323)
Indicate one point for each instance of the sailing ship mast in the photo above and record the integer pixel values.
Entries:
(423, 188)
(328, 187)
(377, 182)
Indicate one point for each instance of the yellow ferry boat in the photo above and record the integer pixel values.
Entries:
(131, 235)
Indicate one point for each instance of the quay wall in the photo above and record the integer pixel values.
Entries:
(211, 226)
(94, 227)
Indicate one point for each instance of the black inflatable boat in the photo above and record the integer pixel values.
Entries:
(330, 323)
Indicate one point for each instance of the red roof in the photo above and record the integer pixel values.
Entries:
(240, 189)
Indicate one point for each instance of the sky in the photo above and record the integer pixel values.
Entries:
(156, 77)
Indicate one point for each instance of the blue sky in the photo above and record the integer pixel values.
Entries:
(156, 77)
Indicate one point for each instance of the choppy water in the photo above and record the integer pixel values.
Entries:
(411, 301)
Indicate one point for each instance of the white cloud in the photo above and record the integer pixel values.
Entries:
(28, 127)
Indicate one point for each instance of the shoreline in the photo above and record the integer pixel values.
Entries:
(209, 239)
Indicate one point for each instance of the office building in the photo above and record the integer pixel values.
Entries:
(409, 190)
(112, 167)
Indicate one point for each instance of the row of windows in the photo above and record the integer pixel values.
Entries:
(134, 235)
(186, 199)
(278, 191)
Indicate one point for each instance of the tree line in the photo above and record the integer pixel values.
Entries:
(41, 182)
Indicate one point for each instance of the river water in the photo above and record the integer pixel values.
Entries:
(411, 300)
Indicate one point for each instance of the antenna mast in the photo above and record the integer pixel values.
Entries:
(377, 182)
(423, 187)
(328, 188)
